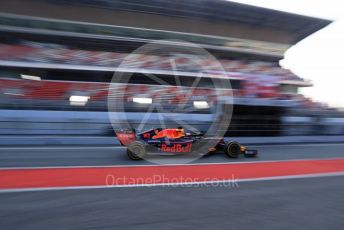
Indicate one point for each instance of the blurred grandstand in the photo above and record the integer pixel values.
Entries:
(52, 50)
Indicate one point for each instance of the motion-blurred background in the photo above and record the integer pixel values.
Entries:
(57, 59)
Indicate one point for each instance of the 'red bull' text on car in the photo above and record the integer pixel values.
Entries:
(173, 141)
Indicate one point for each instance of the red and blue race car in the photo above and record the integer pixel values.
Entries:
(173, 141)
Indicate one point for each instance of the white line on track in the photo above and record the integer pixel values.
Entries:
(188, 184)
(169, 165)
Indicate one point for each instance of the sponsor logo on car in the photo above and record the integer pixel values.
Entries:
(177, 148)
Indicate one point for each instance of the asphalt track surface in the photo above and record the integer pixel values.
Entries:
(104, 156)
(302, 203)
(313, 203)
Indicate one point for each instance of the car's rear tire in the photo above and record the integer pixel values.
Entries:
(136, 150)
(232, 149)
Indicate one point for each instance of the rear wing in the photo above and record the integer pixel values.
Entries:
(126, 136)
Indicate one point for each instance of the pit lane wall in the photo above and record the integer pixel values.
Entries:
(10, 141)
(60, 124)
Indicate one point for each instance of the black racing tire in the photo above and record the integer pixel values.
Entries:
(232, 149)
(136, 150)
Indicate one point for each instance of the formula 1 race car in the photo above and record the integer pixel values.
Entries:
(173, 141)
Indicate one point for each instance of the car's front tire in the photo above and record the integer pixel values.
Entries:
(232, 149)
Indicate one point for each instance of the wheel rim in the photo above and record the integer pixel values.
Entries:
(234, 149)
(137, 151)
